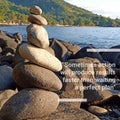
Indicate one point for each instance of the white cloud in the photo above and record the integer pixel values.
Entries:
(108, 8)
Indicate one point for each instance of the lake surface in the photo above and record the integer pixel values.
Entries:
(100, 37)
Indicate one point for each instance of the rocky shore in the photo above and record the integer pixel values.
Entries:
(49, 79)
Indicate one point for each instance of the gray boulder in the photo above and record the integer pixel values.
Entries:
(29, 104)
(61, 51)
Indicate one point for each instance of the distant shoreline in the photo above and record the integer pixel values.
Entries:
(57, 25)
(11, 24)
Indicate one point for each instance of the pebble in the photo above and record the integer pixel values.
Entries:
(29, 103)
(97, 110)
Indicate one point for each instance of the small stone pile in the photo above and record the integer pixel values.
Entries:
(35, 77)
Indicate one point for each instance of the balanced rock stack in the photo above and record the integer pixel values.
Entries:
(36, 77)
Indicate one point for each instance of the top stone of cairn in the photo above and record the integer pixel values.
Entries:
(36, 10)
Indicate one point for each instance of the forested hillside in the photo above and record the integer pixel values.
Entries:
(10, 12)
(56, 12)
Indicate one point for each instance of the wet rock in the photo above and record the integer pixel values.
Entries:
(29, 104)
(36, 10)
(37, 35)
(40, 57)
(37, 19)
(97, 110)
(28, 75)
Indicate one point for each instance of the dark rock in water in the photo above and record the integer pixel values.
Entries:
(8, 40)
(61, 51)
(72, 48)
(28, 75)
(29, 104)
(70, 83)
(84, 53)
(112, 57)
(66, 112)
(6, 79)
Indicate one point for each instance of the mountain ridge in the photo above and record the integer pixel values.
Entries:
(61, 12)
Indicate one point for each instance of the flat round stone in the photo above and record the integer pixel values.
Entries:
(36, 10)
(37, 19)
(40, 57)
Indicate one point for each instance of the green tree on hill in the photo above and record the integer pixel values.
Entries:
(56, 12)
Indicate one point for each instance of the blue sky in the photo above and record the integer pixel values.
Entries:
(108, 8)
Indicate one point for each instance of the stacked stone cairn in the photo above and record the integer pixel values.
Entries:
(36, 77)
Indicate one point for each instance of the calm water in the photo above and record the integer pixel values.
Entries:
(100, 37)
